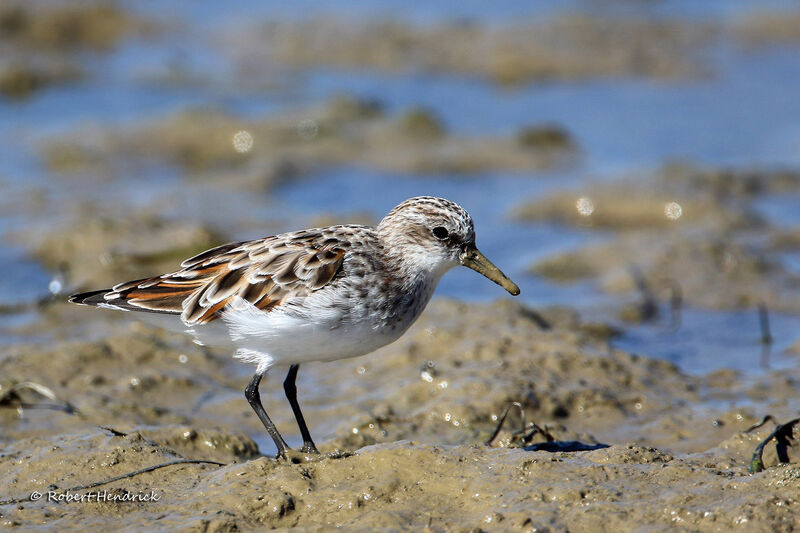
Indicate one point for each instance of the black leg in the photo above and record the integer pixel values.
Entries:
(254, 398)
(291, 395)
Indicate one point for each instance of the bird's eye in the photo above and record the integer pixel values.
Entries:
(440, 233)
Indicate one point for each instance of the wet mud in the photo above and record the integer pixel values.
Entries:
(694, 229)
(41, 42)
(660, 448)
(210, 145)
(149, 431)
(551, 49)
(106, 247)
(768, 29)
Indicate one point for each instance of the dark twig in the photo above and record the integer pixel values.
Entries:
(648, 307)
(115, 432)
(65, 408)
(145, 470)
(565, 446)
(766, 334)
(536, 317)
(783, 440)
(768, 418)
(534, 429)
(763, 317)
(123, 476)
(12, 398)
(675, 304)
(526, 431)
(503, 420)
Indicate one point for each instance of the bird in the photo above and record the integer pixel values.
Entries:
(318, 294)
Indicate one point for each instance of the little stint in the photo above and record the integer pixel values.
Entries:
(311, 295)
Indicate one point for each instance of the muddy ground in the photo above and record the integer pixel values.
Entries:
(407, 426)
(688, 229)
(42, 42)
(626, 442)
(567, 46)
(260, 154)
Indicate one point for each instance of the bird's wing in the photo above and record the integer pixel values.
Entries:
(265, 272)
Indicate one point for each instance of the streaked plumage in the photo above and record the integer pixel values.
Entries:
(312, 295)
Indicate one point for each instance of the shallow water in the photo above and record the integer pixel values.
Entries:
(746, 113)
(707, 341)
(417, 413)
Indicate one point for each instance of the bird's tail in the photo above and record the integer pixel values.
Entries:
(93, 298)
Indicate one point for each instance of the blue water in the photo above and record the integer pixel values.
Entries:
(746, 113)
(204, 15)
(710, 340)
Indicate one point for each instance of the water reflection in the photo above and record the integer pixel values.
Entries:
(617, 124)
(242, 141)
(673, 210)
(585, 206)
(307, 129)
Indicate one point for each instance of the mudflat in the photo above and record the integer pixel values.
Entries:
(405, 429)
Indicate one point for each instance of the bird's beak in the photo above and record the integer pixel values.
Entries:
(473, 258)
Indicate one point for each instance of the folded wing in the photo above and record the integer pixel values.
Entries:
(265, 272)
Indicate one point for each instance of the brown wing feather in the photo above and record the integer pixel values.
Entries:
(265, 272)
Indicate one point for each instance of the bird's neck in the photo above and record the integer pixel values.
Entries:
(414, 266)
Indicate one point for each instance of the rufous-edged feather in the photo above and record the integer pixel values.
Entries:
(264, 272)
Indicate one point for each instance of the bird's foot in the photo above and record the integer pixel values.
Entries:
(304, 455)
(295, 456)
(309, 447)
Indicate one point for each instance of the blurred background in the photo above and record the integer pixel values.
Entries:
(638, 161)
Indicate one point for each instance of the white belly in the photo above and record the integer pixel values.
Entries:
(316, 329)
(281, 338)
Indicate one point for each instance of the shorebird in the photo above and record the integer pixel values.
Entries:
(312, 295)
